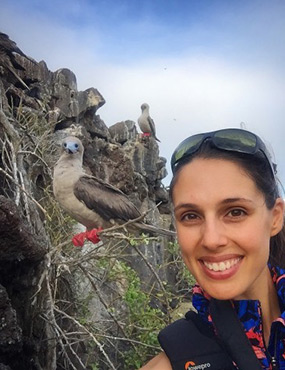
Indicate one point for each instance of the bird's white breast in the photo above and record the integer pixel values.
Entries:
(65, 177)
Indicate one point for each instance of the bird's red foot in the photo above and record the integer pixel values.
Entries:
(146, 134)
(91, 235)
(79, 239)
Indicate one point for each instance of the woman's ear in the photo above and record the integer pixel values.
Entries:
(278, 216)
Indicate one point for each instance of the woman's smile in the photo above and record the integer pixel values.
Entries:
(224, 269)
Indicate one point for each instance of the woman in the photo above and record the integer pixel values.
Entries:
(229, 220)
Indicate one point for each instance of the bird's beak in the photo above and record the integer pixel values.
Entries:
(70, 147)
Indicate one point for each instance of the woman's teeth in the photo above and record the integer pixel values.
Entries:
(221, 266)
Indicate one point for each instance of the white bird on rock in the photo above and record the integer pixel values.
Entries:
(89, 200)
(146, 123)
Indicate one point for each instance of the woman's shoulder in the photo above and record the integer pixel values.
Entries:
(159, 362)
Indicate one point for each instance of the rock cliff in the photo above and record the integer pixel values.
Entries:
(43, 279)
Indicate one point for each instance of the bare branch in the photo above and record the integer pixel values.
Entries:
(99, 345)
(24, 191)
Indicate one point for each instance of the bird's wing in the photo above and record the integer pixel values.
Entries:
(151, 125)
(104, 199)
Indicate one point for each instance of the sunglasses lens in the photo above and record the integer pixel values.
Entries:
(188, 146)
(235, 140)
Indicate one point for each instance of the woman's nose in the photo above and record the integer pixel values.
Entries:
(213, 234)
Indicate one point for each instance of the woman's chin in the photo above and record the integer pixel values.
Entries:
(221, 291)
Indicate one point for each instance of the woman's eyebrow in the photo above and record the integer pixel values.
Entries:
(224, 201)
(236, 199)
(186, 205)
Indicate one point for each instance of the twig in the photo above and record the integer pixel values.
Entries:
(123, 226)
(155, 274)
(25, 198)
(99, 345)
(127, 340)
(14, 169)
(34, 154)
(86, 273)
(7, 125)
(129, 222)
(23, 190)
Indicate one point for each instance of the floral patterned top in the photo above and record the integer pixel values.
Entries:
(249, 313)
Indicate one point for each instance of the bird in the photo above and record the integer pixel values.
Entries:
(146, 123)
(91, 201)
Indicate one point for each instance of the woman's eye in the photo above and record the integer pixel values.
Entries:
(237, 212)
(188, 217)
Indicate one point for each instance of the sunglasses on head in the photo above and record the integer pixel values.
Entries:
(231, 139)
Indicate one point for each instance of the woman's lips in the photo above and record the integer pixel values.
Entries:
(221, 268)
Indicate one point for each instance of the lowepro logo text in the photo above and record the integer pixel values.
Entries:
(190, 365)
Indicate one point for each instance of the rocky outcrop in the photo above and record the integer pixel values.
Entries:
(17, 240)
(37, 109)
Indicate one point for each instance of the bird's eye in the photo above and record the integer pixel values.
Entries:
(64, 144)
(76, 145)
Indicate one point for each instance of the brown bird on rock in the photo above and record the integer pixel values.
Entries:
(90, 200)
(146, 123)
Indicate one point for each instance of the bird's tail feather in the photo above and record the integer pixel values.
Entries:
(154, 229)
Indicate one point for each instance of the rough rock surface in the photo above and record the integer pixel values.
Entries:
(29, 93)
(17, 241)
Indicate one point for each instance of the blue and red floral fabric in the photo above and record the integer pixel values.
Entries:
(249, 312)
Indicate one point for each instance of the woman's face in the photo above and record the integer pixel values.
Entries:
(224, 228)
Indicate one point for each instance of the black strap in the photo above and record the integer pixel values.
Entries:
(191, 341)
(231, 332)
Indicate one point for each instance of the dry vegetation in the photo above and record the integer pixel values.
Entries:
(98, 314)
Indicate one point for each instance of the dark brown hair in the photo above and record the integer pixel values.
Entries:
(259, 170)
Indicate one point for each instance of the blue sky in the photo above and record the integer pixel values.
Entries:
(199, 64)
